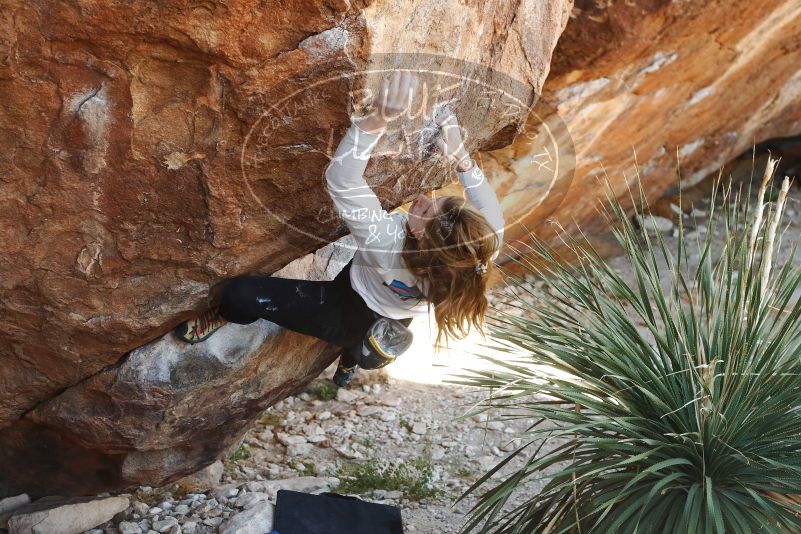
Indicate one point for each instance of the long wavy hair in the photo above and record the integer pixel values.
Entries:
(445, 259)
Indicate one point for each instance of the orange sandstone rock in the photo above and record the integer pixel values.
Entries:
(654, 86)
(149, 151)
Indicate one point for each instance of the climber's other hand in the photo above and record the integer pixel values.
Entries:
(449, 141)
(396, 94)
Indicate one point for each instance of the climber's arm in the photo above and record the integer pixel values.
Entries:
(371, 226)
(480, 193)
(477, 189)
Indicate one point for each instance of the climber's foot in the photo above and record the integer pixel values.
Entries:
(343, 375)
(199, 329)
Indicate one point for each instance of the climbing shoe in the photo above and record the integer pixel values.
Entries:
(344, 375)
(199, 329)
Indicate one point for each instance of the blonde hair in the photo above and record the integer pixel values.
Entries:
(454, 260)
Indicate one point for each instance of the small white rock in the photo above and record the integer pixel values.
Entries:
(390, 400)
(509, 446)
(267, 436)
(299, 449)
(495, 425)
(697, 213)
(255, 520)
(367, 411)
(248, 500)
(344, 395)
(289, 440)
(9, 503)
(213, 521)
(387, 416)
(654, 223)
(223, 492)
(140, 508)
(165, 524)
(128, 527)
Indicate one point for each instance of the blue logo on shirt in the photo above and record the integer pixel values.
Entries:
(405, 292)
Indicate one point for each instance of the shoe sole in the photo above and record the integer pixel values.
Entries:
(180, 332)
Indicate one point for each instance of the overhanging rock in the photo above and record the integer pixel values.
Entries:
(139, 171)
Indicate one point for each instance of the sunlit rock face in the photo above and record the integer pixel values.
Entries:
(667, 85)
(145, 159)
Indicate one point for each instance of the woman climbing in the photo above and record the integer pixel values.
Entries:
(438, 255)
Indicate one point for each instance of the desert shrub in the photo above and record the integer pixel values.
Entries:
(326, 392)
(668, 402)
(241, 453)
(415, 477)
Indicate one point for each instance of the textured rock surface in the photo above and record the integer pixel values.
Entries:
(9, 503)
(138, 170)
(167, 407)
(64, 516)
(696, 82)
(208, 477)
(254, 520)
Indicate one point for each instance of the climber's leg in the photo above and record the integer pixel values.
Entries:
(348, 363)
(347, 366)
(328, 310)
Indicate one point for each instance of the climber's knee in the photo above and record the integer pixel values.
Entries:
(235, 301)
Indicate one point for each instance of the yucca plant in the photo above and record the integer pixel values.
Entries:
(669, 402)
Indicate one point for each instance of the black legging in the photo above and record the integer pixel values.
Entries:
(329, 310)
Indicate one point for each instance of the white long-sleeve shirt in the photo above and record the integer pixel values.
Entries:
(378, 273)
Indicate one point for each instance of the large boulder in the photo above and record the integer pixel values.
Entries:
(652, 87)
(151, 150)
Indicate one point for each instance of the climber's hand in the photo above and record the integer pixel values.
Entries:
(394, 99)
(396, 94)
(449, 141)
